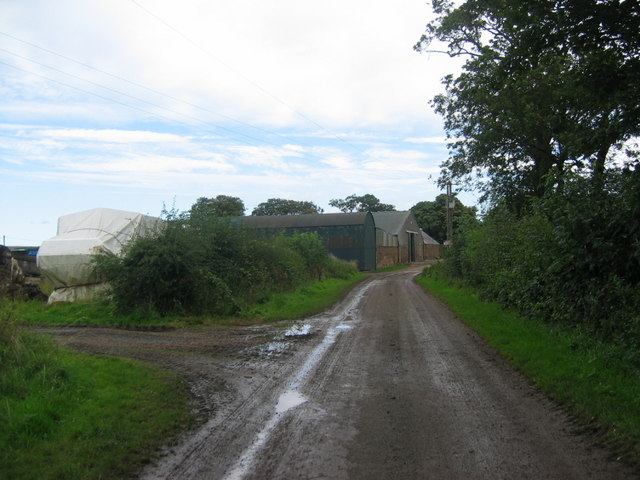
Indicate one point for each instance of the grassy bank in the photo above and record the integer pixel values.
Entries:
(597, 382)
(303, 301)
(66, 415)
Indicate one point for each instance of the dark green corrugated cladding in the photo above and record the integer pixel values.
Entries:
(348, 236)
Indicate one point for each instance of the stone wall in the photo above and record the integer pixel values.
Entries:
(432, 252)
(386, 257)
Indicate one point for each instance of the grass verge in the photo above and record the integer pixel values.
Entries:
(304, 301)
(595, 381)
(66, 415)
(93, 313)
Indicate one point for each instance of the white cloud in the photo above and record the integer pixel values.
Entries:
(108, 135)
(422, 140)
(144, 165)
(339, 161)
(337, 96)
(338, 63)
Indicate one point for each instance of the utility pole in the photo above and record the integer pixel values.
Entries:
(450, 204)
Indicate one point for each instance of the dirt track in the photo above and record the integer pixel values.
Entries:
(387, 385)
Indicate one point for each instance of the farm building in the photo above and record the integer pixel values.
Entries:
(373, 240)
(398, 238)
(432, 250)
(347, 236)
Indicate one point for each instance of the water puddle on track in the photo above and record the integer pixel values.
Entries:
(288, 400)
(291, 397)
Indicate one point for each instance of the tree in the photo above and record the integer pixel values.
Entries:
(362, 203)
(432, 216)
(220, 206)
(549, 86)
(281, 206)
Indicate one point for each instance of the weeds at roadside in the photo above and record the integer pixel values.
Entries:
(77, 416)
(306, 300)
(595, 381)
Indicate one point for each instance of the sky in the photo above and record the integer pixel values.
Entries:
(146, 105)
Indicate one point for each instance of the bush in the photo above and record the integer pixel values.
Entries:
(209, 265)
(573, 258)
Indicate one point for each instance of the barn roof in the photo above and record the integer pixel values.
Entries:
(391, 222)
(305, 220)
(427, 239)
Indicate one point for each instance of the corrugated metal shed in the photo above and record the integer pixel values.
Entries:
(306, 220)
(348, 236)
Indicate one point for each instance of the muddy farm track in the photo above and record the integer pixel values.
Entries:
(387, 385)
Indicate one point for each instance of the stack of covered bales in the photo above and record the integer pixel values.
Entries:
(66, 260)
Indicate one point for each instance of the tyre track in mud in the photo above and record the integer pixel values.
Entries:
(409, 392)
(388, 384)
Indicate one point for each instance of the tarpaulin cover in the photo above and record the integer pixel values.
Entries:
(65, 260)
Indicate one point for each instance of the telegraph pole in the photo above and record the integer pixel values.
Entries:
(450, 204)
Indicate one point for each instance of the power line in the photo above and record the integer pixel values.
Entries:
(131, 96)
(241, 75)
(139, 85)
(128, 105)
(233, 133)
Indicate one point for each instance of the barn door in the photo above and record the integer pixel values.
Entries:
(412, 247)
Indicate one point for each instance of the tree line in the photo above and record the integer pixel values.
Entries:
(431, 215)
(544, 119)
(201, 262)
(228, 206)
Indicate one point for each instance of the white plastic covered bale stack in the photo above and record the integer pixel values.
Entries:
(66, 259)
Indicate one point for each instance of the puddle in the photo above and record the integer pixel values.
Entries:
(275, 348)
(298, 331)
(289, 400)
(344, 327)
(292, 398)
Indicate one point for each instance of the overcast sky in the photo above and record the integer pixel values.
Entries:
(140, 104)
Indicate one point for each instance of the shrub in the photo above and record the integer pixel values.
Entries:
(573, 258)
(210, 265)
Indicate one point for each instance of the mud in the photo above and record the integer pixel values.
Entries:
(388, 384)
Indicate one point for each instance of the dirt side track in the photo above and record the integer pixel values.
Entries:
(386, 385)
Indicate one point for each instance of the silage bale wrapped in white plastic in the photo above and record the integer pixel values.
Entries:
(66, 259)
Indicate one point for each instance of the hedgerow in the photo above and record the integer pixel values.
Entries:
(210, 265)
(573, 258)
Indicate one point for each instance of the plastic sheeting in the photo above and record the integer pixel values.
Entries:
(65, 260)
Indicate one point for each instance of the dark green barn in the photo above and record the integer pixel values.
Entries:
(348, 236)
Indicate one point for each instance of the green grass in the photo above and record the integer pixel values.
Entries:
(66, 415)
(597, 382)
(304, 301)
(93, 313)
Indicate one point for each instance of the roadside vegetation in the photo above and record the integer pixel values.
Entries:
(204, 269)
(67, 415)
(202, 264)
(598, 382)
(543, 120)
(304, 301)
